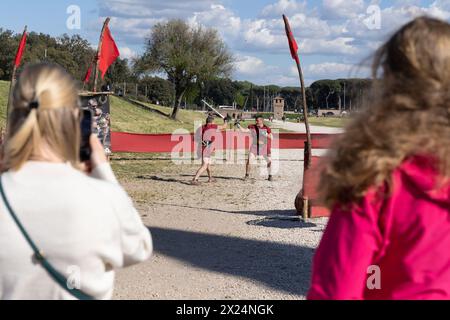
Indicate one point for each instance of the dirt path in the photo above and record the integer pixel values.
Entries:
(229, 240)
(300, 127)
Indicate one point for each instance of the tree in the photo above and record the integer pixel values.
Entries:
(120, 72)
(72, 53)
(158, 90)
(326, 92)
(187, 55)
(221, 91)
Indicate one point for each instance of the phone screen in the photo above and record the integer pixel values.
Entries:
(86, 131)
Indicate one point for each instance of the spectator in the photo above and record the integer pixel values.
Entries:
(387, 181)
(83, 221)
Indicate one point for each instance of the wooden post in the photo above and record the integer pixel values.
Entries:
(305, 213)
(294, 48)
(308, 151)
(99, 51)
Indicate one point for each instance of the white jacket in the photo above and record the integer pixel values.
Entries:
(86, 227)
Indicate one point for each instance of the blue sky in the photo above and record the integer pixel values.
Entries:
(335, 36)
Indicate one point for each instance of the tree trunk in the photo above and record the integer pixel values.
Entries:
(177, 106)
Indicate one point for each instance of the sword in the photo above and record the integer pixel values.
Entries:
(214, 110)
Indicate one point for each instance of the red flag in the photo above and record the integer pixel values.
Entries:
(87, 77)
(21, 49)
(109, 52)
(292, 43)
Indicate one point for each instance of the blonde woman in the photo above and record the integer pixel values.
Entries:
(56, 220)
(387, 181)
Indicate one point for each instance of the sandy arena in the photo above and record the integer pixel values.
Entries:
(227, 240)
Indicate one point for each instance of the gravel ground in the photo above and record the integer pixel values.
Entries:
(227, 240)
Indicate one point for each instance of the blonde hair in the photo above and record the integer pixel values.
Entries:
(45, 101)
(408, 114)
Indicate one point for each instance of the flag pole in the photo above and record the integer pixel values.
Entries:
(308, 143)
(88, 72)
(13, 82)
(99, 52)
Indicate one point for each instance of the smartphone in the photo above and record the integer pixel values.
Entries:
(86, 132)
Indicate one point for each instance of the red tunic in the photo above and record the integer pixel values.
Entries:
(206, 135)
(261, 144)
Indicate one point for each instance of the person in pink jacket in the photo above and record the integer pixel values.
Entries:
(387, 179)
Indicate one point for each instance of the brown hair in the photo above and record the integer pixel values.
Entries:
(407, 114)
(44, 106)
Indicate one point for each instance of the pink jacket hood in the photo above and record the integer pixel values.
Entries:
(422, 175)
(406, 236)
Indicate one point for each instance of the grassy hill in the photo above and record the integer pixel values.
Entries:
(4, 90)
(127, 117)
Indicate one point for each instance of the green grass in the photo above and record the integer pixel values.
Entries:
(4, 91)
(333, 122)
(128, 118)
(329, 122)
(186, 119)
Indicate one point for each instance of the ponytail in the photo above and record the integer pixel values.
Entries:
(22, 142)
(44, 110)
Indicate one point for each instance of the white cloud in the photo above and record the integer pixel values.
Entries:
(248, 65)
(219, 18)
(283, 7)
(127, 53)
(338, 46)
(332, 30)
(342, 9)
(153, 8)
(333, 70)
(252, 66)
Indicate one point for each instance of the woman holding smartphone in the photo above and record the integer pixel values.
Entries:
(52, 225)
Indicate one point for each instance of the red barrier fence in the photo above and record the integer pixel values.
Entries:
(166, 143)
(307, 201)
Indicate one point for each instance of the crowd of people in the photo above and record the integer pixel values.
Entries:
(386, 182)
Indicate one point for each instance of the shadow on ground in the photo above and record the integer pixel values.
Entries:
(282, 222)
(280, 266)
(290, 215)
(170, 180)
(216, 177)
(166, 179)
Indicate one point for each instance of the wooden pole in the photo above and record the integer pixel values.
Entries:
(305, 113)
(12, 84)
(99, 51)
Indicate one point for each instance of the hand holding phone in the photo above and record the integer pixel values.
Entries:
(98, 155)
(92, 152)
(86, 132)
